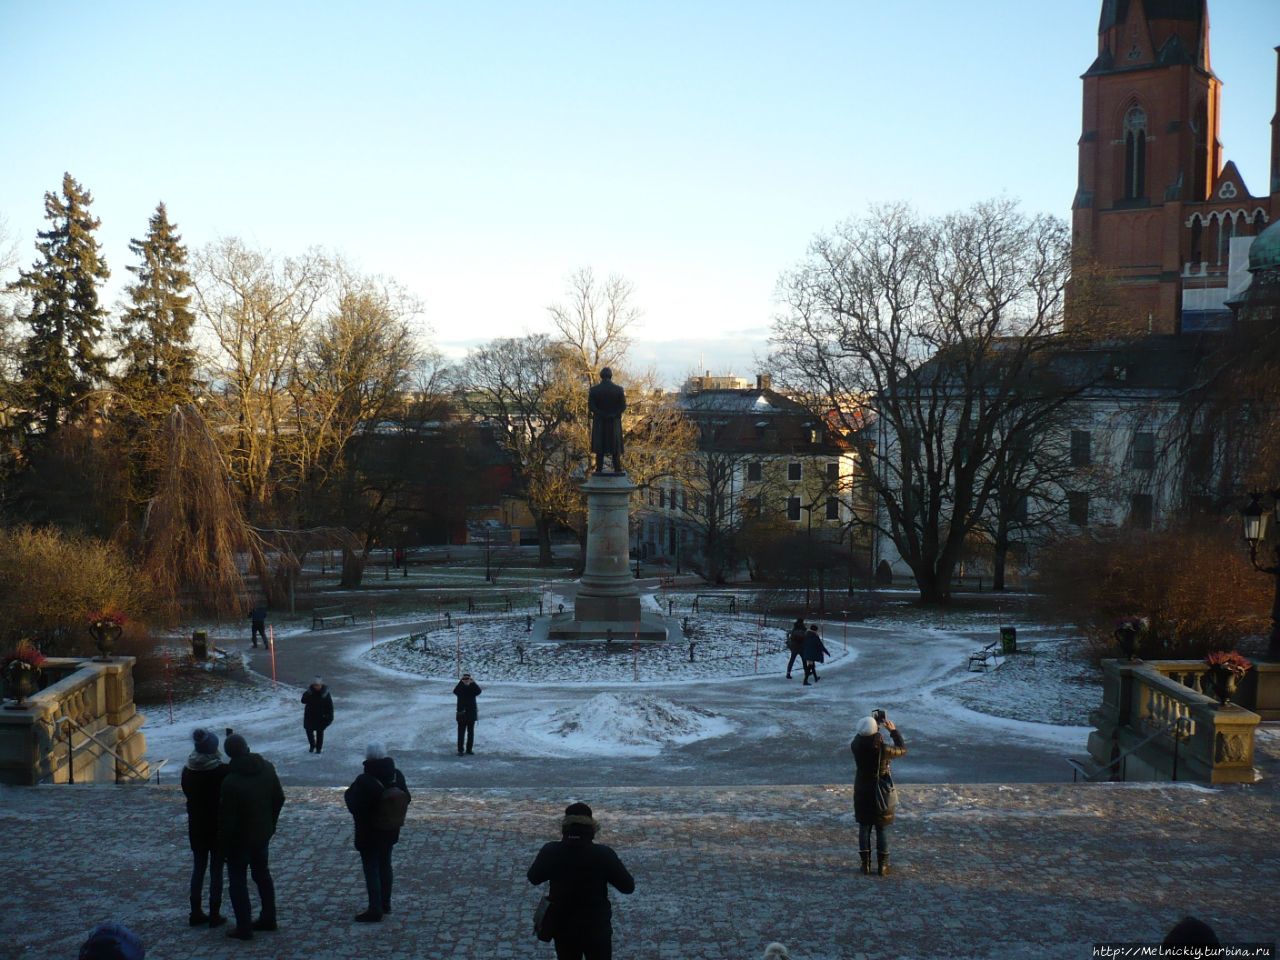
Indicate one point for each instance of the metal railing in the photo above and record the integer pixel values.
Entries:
(1179, 729)
(137, 774)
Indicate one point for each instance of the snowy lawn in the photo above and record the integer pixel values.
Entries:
(723, 647)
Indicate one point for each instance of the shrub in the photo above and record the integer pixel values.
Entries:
(1195, 586)
(51, 583)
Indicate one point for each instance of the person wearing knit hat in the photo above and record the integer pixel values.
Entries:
(580, 872)
(317, 713)
(872, 758)
(1190, 932)
(248, 810)
(202, 785)
(112, 941)
(378, 800)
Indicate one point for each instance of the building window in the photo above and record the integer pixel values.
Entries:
(833, 472)
(662, 498)
(1200, 457)
(793, 508)
(1144, 451)
(684, 499)
(1135, 154)
(794, 471)
(755, 471)
(1020, 509)
(1078, 509)
(833, 509)
(1081, 453)
(652, 496)
(1140, 511)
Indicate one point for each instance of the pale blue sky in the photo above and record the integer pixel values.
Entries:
(479, 152)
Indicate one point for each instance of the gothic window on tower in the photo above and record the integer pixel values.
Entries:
(1200, 173)
(1135, 154)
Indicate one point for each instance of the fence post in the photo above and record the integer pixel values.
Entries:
(271, 633)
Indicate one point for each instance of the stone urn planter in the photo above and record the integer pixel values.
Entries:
(105, 627)
(1226, 668)
(21, 672)
(1127, 636)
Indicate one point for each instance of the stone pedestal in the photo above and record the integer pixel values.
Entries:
(608, 603)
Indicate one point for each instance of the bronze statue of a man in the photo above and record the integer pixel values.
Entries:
(606, 401)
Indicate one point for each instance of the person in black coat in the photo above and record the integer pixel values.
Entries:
(317, 713)
(466, 691)
(581, 873)
(873, 758)
(249, 807)
(201, 784)
(795, 643)
(814, 653)
(373, 839)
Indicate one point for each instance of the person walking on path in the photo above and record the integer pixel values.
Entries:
(581, 873)
(317, 713)
(466, 691)
(248, 810)
(377, 800)
(202, 785)
(873, 757)
(795, 643)
(814, 653)
(258, 618)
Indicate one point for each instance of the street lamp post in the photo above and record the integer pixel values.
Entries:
(1255, 532)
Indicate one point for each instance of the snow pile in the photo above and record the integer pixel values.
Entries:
(620, 725)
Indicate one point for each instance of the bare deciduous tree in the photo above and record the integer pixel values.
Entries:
(925, 338)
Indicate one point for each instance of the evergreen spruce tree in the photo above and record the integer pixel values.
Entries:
(60, 360)
(155, 332)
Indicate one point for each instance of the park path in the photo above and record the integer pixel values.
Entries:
(784, 733)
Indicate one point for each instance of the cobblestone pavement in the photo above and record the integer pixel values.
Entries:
(984, 870)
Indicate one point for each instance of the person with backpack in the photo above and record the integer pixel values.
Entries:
(795, 643)
(378, 800)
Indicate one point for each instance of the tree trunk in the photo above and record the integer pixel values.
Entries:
(543, 526)
(999, 556)
(352, 568)
(935, 588)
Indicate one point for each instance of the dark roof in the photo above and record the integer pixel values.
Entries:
(1151, 365)
(756, 421)
(1116, 11)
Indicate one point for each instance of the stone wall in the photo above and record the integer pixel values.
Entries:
(63, 732)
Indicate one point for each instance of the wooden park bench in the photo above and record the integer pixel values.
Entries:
(666, 583)
(982, 658)
(320, 616)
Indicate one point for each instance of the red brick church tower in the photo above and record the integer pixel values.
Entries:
(1155, 205)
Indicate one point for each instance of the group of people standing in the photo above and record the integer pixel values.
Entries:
(805, 644)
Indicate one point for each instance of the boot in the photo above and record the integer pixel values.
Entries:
(882, 863)
(866, 862)
(197, 918)
(368, 916)
(216, 919)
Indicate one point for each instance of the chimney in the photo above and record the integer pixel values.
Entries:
(764, 381)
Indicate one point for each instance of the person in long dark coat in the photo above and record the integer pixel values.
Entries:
(317, 713)
(606, 401)
(814, 652)
(581, 872)
(795, 643)
(248, 810)
(201, 784)
(374, 842)
(466, 691)
(873, 758)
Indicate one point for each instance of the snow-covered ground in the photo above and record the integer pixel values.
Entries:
(723, 647)
(577, 715)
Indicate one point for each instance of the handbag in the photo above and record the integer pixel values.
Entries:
(544, 920)
(886, 795)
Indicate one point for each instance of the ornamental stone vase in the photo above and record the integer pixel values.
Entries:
(105, 633)
(22, 683)
(1127, 638)
(1224, 683)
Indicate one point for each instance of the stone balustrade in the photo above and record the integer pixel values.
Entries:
(1191, 737)
(96, 696)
